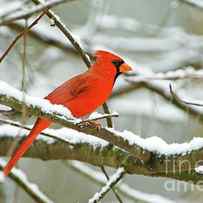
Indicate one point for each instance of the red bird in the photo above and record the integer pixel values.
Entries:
(82, 95)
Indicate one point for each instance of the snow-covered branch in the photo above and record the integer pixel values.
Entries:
(150, 156)
(30, 188)
(168, 160)
(180, 74)
(13, 97)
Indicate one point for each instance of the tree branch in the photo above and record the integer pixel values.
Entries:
(21, 180)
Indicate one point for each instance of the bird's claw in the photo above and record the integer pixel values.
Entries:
(90, 124)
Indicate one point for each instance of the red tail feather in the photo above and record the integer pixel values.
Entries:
(39, 126)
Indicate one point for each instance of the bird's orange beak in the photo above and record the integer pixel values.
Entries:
(124, 68)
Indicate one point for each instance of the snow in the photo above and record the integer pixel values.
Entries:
(4, 108)
(95, 115)
(44, 104)
(2, 177)
(23, 178)
(67, 134)
(199, 170)
(157, 145)
(76, 137)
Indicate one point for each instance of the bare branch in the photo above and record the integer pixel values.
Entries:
(176, 97)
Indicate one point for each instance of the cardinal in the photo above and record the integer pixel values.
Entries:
(81, 94)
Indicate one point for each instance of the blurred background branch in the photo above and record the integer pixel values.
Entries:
(30, 188)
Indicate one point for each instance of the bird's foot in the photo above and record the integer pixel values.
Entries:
(90, 124)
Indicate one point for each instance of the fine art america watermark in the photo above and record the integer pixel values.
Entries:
(186, 168)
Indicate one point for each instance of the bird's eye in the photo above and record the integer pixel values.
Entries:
(117, 63)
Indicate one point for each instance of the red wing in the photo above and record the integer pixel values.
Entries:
(71, 89)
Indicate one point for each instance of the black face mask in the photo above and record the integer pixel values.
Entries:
(117, 64)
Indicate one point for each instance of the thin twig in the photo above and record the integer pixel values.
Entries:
(108, 119)
(113, 189)
(111, 182)
(104, 116)
(20, 35)
(28, 128)
(192, 103)
(176, 97)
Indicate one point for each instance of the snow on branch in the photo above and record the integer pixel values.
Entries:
(185, 73)
(98, 152)
(114, 179)
(30, 188)
(11, 96)
(195, 3)
(140, 151)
